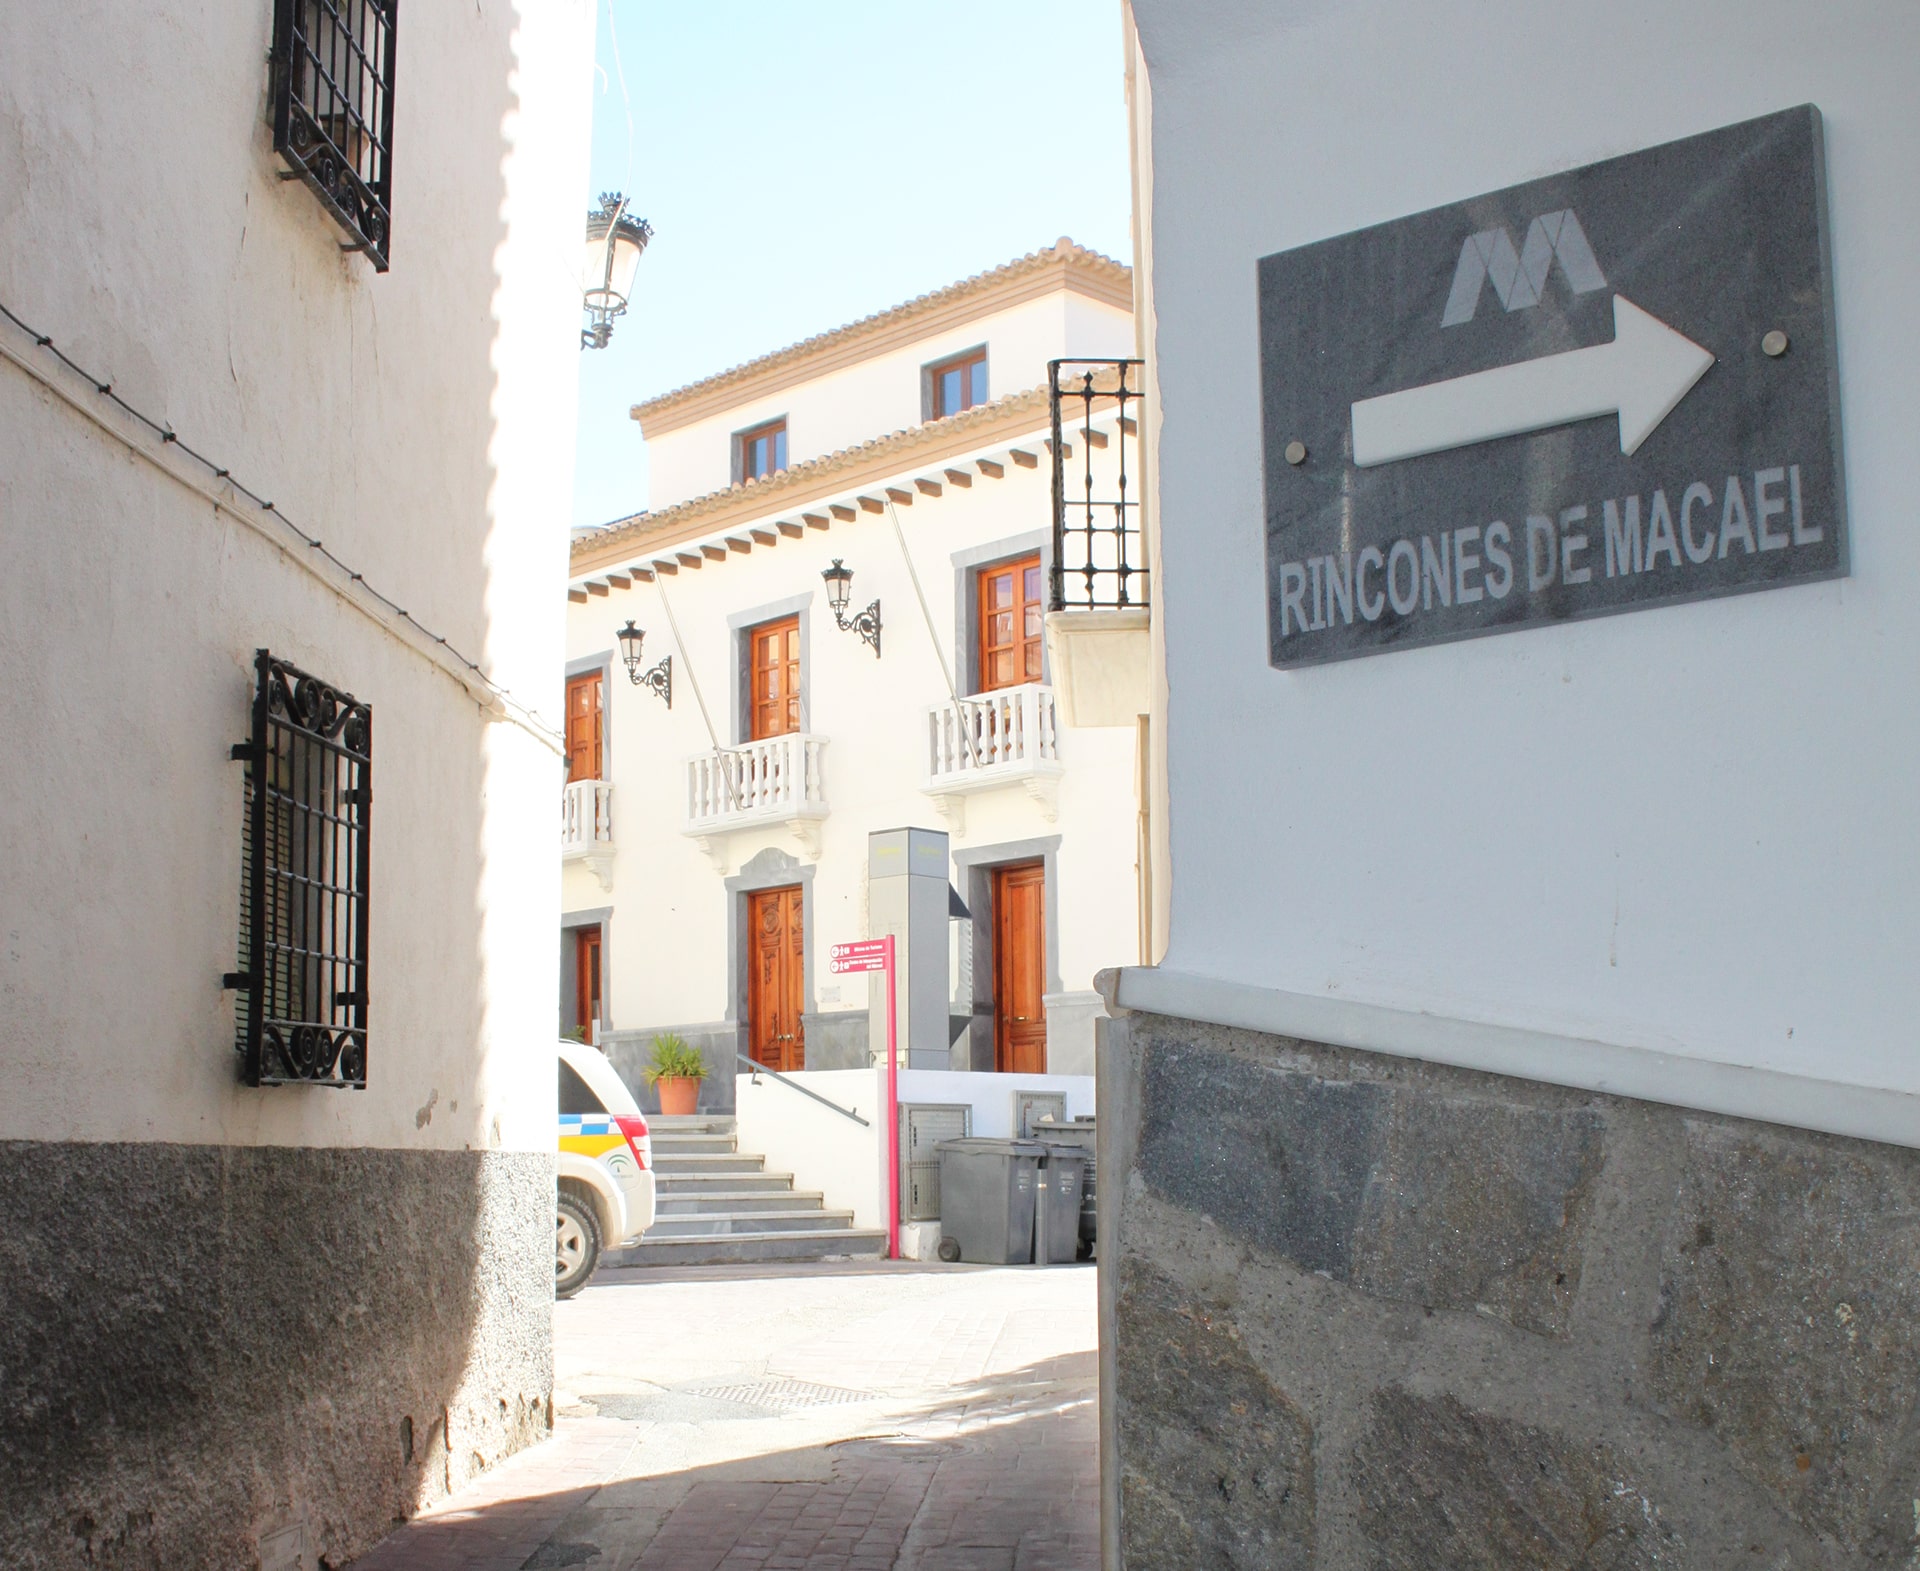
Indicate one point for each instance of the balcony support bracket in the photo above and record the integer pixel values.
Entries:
(1045, 790)
(951, 806)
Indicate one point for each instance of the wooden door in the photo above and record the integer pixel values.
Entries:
(774, 664)
(585, 727)
(776, 980)
(1011, 613)
(1020, 968)
(586, 981)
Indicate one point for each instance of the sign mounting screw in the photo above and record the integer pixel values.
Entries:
(1774, 344)
(1296, 453)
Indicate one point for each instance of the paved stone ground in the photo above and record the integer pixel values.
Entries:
(858, 1416)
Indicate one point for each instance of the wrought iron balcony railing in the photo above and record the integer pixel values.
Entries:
(1099, 559)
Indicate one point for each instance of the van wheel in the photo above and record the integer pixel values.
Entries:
(577, 1245)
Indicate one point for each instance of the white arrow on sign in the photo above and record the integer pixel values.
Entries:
(1641, 375)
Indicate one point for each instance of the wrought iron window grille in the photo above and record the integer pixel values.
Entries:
(332, 108)
(301, 1013)
(1099, 559)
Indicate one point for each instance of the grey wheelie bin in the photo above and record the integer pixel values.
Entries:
(987, 1190)
(1081, 1132)
(1056, 1207)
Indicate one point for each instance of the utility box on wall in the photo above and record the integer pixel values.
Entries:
(907, 900)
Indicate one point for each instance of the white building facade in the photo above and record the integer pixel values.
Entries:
(716, 849)
(256, 1324)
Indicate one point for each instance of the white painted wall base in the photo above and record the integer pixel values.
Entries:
(1070, 1018)
(919, 1240)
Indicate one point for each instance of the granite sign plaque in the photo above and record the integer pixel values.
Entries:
(1601, 391)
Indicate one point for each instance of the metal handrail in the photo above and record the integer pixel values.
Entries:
(760, 1069)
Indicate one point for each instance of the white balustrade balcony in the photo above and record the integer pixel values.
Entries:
(780, 780)
(1008, 737)
(586, 827)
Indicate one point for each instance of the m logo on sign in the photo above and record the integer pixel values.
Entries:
(1519, 277)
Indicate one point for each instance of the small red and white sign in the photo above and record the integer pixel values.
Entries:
(870, 954)
(877, 954)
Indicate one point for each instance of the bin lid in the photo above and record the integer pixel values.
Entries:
(988, 1145)
(1065, 1150)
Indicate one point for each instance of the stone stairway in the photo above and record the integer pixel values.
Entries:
(716, 1205)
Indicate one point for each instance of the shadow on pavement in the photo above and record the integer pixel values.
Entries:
(997, 1474)
(775, 1270)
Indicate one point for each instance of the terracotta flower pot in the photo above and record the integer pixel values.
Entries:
(679, 1094)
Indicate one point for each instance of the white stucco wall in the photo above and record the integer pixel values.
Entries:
(1685, 829)
(667, 953)
(882, 393)
(843, 1161)
(420, 423)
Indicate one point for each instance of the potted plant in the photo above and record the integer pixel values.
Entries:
(676, 1071)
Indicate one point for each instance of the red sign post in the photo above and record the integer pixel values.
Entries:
(876, 954)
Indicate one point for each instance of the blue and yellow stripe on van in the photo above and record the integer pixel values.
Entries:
(589, 1134)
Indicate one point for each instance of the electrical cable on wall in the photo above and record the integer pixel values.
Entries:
(471, 675)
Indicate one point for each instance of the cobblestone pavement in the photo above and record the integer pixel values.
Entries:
(856, 1415)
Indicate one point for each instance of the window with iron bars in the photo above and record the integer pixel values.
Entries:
(333, 110)
(1099, 556)
(301, 1005)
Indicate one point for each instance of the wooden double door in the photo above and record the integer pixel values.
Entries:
(776, 978)
(1020, 968)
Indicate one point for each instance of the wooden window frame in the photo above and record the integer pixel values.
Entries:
(598, 678)
(750, 638)
(743, 444)
(964, 361)
(983, 576)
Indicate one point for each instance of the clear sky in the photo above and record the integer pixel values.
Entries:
(807, 162)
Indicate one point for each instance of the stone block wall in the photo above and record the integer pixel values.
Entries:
(220, 1356)
(1361, 1313)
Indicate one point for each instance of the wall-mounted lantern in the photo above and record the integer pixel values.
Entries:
(867, 624)
(614, 244)
(658, 681)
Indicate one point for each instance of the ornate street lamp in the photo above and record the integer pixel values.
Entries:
(614, 244)
(867, 624)
(658, 681)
